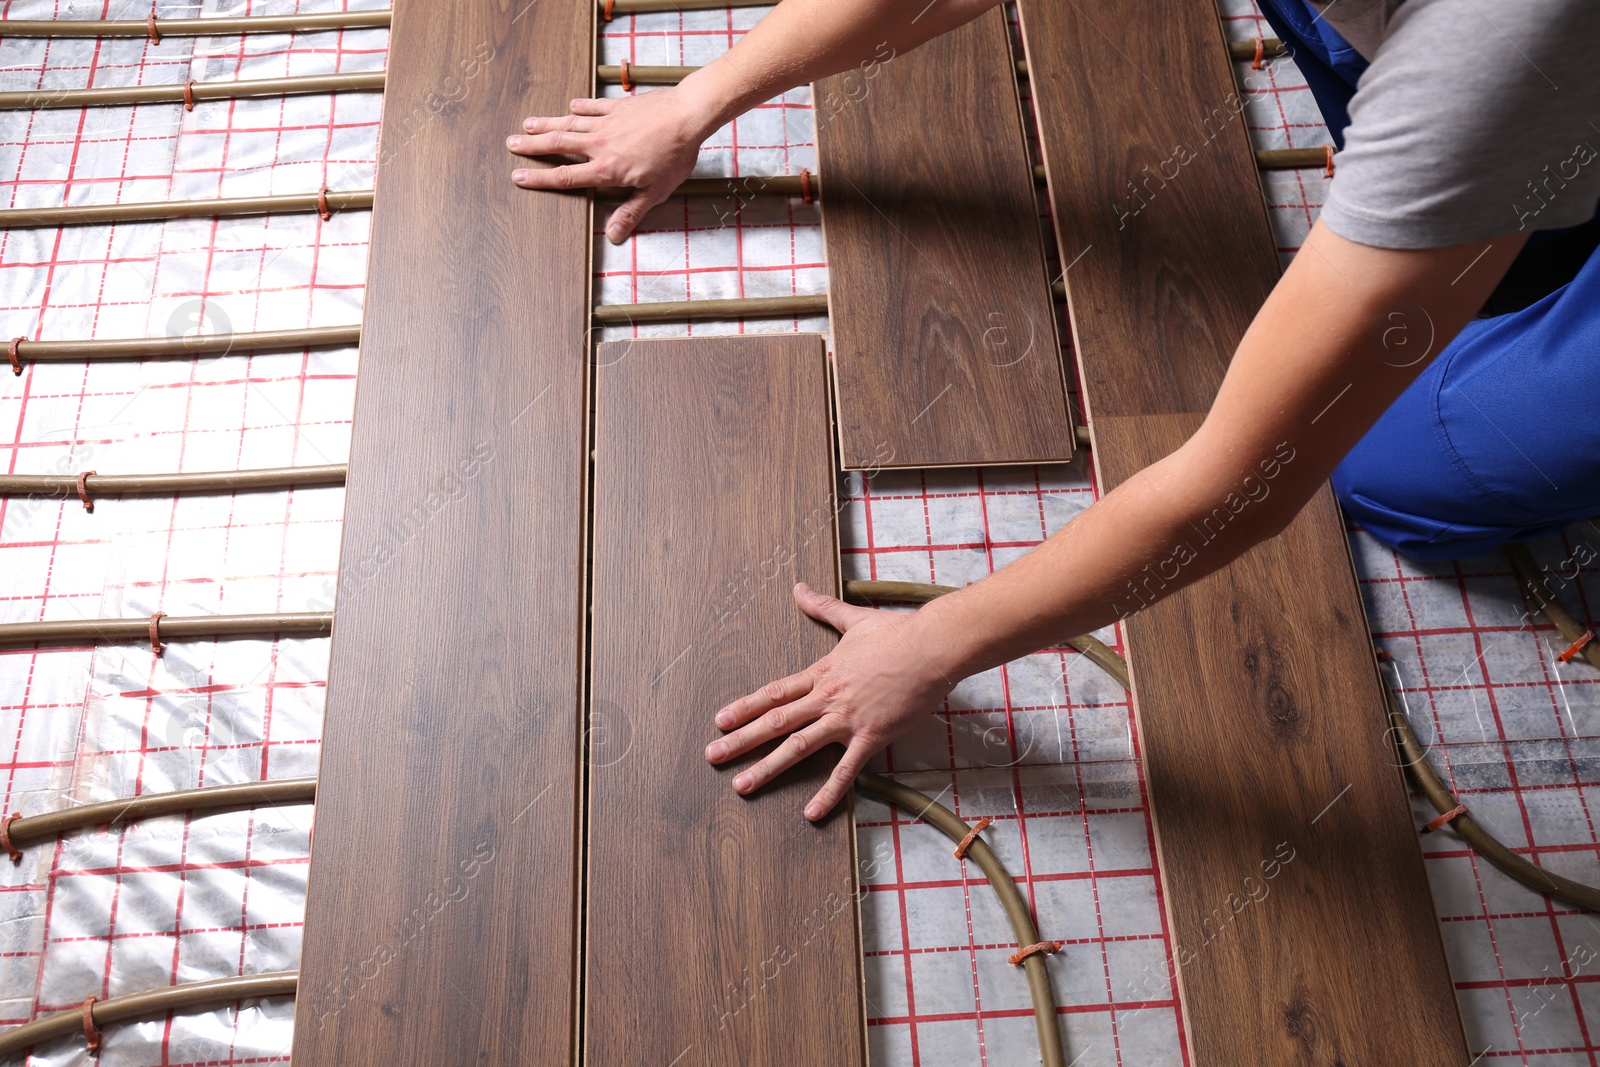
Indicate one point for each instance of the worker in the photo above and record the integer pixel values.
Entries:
(1434, 347)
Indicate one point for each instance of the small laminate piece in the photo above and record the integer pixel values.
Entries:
(721, 929)
(946, 351)
(1303, 929)
(441, 915)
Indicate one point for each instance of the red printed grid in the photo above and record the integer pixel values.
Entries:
(733, 246)
(170, 901)
(1513, 731)
(1044, 746)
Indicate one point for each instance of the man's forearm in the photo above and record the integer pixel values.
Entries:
(1159, 531)
(1342, 335)
(801, 41)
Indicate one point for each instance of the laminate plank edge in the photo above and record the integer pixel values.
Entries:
(441, 921)
(713, 471)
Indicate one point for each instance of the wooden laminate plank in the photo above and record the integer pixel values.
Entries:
(1257, 702)
(1153, 188)
(441, 916)
(946, 350)
(1260, 719)
(721, 929)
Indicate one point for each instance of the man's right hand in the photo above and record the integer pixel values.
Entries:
(647, 143)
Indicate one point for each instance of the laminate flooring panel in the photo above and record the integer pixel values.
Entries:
(1293, 877)
(721, 929)
(441, 914)
(1255, 693)
(946, 349)
(1154, 196)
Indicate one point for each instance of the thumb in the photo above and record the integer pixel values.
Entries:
(626, 218)
(831, 610)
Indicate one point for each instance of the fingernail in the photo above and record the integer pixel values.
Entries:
(614, 235)
(519, 175)
(512, 142)
(724, 718)
(742, 782)
(813, 812)
(716, 750)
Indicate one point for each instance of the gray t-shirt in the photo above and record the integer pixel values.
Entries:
(1476, 119)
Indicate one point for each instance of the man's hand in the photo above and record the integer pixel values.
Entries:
(871, 689)
(647, 143)
(1345, 331)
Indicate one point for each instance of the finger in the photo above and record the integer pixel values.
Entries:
(554, 143)
(797, 747)
(774, 724)
(584, 108)
(831, 610)
(592, 106)
(842, 780)
(627, 218)
(524, 144)
(575, 176)
(769, 696)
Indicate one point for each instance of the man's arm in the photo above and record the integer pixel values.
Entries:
(649, 142)
(1346, 329)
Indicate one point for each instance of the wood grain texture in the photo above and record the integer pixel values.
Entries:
(1163, 221)
(1262, 726)
(946, 349)
(721, 929)
(1255, 691)
(441, 919)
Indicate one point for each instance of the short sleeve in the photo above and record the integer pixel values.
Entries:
(1476, 119)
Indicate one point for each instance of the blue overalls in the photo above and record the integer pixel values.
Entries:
(1499, 439)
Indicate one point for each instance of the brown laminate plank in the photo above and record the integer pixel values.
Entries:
(721, 929)
(1260, 719)
(1153, 189)
(1255, 693)
(946, 350)
(441, 917)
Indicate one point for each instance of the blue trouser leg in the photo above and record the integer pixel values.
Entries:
(1499, 439)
